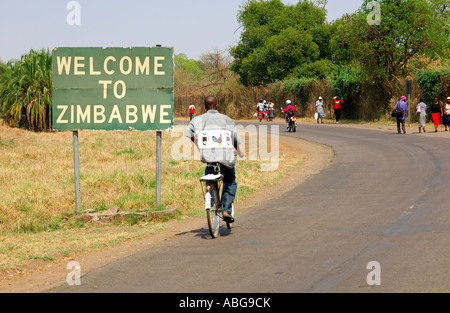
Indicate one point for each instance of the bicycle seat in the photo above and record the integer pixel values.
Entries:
(211, 178)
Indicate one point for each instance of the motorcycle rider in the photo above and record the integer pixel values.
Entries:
(289, 111)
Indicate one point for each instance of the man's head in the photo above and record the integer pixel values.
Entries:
(211, 103)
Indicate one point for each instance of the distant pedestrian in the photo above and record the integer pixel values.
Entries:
(266, 110)
(447, 113)
(422, 115)
(401, 119)
(319, 110)
(271, 110)
(337, 104)
(191, 111)
(260, 110)
(436, 113)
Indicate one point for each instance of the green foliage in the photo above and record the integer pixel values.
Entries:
(182, 62)
(320, 69)
(301, 88)
(347, 85)
(26, 91)
(434, 83)
(345, 81)
(408, 29)
(279, 41)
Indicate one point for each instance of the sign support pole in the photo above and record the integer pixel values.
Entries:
(409, 92)
(409, 108)
(158, 167)
(76, 162)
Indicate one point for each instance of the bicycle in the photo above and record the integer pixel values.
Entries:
(213, 202)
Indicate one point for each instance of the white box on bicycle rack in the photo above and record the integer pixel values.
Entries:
(215, 146)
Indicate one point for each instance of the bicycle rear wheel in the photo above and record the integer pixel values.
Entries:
(213, 214)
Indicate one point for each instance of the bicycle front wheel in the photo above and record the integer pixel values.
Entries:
(213, 214)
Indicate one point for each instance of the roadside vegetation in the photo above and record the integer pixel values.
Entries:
(292, 52)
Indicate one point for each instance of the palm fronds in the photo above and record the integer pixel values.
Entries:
(26, 91)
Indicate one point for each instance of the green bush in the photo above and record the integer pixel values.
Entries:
(434, 83)
(26, 91)
(347, 85)
(300, 87)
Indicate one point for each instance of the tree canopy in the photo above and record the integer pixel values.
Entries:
(281, 42)
(408, 29)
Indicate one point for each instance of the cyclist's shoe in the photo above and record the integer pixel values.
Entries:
(228, 218)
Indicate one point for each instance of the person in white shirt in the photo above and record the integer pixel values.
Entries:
(422, 112)
(319, 110)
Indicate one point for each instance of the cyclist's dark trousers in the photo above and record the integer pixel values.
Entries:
(229, 186)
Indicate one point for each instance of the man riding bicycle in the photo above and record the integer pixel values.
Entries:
(214, 121)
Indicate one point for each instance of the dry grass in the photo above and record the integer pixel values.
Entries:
(36, 175)
(37, 201)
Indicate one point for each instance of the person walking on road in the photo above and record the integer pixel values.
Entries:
(401, 120)
(319, 110)
(422, 112)
(337, 104)
(436, 113)
(191, 111)
(260, 110)
(447, 113)
(271, 111)
(266, 110)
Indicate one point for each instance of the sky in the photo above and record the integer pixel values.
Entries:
(192, 27)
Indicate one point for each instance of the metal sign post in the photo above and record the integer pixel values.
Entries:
(158, 167)
(76, 162)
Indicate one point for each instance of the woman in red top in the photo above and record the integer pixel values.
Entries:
(191, 111)
(337, 104)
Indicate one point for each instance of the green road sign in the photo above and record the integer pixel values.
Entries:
(113, 88)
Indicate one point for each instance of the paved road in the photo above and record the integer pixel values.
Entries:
(383, 198)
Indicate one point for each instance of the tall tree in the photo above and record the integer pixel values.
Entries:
(278, 40)
(407, 28)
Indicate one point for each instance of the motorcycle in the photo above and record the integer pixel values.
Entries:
(292, 124)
